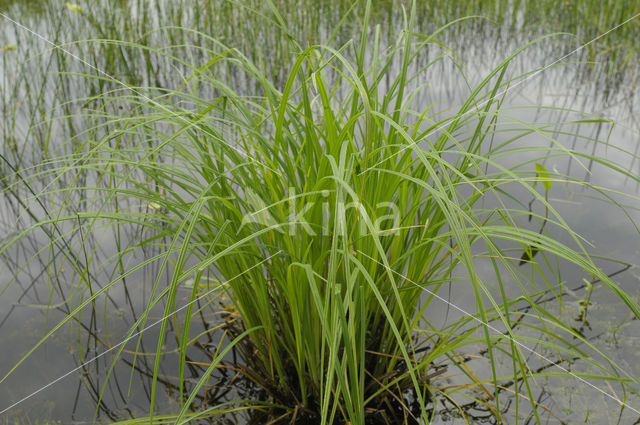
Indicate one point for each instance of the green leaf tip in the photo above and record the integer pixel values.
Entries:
(543, 175)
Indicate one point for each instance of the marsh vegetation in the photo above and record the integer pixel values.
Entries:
(319, 212)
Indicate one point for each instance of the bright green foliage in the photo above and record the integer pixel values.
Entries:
(334, 213)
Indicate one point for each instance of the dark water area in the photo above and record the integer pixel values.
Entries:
(40, 88)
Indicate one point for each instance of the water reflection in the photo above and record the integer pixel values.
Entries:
(29, 285)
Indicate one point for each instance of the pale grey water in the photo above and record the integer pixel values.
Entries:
(73, 399)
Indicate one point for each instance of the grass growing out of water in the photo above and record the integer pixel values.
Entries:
(334, 216)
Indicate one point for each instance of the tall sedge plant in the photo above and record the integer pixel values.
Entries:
(333, 214)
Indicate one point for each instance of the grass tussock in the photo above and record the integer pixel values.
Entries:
(333, 210)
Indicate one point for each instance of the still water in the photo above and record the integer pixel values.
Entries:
(33, 300)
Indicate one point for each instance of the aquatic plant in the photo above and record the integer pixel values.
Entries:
(332, 209)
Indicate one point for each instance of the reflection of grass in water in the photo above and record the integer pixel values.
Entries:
(330, 315)
(28, 6)
(29, 417)
(34, 93)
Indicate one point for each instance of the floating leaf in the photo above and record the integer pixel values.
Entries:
(154, 206)
(543, 175)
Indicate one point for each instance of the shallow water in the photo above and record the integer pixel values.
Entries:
(24, 320)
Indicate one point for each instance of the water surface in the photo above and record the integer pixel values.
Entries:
(43, 112)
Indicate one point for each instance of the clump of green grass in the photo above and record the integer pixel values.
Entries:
(333, 214)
